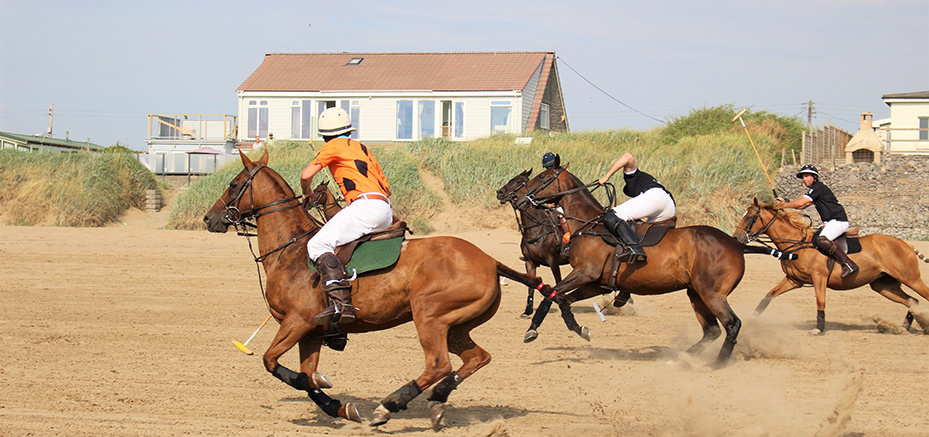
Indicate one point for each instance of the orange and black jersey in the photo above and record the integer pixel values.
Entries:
(353, 166)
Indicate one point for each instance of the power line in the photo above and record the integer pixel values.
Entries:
(606, 93)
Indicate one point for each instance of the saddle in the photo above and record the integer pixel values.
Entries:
(373, 251)
(848, 241)
(648, 234)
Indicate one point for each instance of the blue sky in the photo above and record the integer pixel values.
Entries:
(105, 65)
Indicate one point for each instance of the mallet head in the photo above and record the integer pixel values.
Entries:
(739, 115)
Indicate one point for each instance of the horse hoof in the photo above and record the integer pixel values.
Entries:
(436, 413)
(321, 380)
(531, 334)
(380, 416)
(348, 411)
(815, 331)
(525, 315)
(585, 333)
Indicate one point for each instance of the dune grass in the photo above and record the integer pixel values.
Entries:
(70, 189)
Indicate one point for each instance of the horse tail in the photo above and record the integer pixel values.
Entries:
(525, 279)
(918, 254)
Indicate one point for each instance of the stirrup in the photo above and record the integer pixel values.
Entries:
(850, 269)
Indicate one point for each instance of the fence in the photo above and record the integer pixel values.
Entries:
(824, 145)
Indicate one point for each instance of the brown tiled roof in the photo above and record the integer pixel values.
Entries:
(473, 71)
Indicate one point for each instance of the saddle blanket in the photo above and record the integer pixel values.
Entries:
(371, 255)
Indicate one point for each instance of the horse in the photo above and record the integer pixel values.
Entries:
(884, 262)
(705, 261)
(447, 286)
(541, 243)
(323, 202)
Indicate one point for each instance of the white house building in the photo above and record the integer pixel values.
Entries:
(907, 130)
(397, 97)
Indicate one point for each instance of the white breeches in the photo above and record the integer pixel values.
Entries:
(833, 229)
(361, 217)
(653, 205)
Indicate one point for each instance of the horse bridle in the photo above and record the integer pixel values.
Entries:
(516, 208)
(233, 214)
(756, 236)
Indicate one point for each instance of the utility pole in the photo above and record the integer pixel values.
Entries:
(51, 107)
(809, 114)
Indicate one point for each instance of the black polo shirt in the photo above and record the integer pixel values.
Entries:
(826, 204)
(639, 182)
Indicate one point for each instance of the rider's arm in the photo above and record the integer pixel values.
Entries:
(800, 203)
(306, 177)
(625, 162)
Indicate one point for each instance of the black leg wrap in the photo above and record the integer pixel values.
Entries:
(821, 321)
(540, 313)
(328, 405)
(444, 388)
(397, 400)
(299, 381)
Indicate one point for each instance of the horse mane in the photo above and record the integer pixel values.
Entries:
(794, 217)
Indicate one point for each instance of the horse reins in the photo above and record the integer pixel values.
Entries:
(796, 245)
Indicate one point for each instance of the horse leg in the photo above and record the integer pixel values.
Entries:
(473, 357)
(433, 334)
(708, 322)
(712, 297)
(889, 287)
(564, 304)
(530, 270)
(819, 286)
(782, 287)
(309, 360)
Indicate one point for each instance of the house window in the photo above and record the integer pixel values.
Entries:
(426, 119)
(543, 116)
(500, 111)
(257, 118)
(458, 121)
(355, 113)
(924, 128)
(404, 119)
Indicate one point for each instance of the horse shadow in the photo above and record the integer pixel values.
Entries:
(643, 354)
(456, 416)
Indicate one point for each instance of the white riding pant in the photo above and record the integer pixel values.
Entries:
(834, 229)
(653, 205)
(363, 216)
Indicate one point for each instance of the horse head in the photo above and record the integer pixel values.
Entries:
(232, 206)
(510, 191)
(756, 221)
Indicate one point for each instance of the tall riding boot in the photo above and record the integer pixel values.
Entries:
(622, 230)
(829, 246)
(334, 282)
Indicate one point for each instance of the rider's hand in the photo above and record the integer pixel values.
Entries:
(602, 180)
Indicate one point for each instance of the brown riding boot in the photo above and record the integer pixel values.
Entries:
(829, 246)
(334, 282)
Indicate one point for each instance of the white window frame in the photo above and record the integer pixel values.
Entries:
(544, 116)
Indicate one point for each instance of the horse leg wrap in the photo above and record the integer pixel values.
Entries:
(821, 321)
(444, 388)
(328, 405)
(299, 381)
(397, 400)
(540, 313)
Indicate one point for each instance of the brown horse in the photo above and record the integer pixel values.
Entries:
(884, 261)
(705, 261)
(541, 243)
(445, 285)
(323, 202)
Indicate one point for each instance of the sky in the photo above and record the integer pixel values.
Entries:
(105, 65)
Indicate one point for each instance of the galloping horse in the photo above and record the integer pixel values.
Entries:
(884, 261)
(445, 285)
(541, 243)
(705, 261)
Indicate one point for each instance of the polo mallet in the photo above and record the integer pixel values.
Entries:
(242, 346)
(763, 169)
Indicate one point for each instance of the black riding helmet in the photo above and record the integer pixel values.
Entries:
(808, 169)
(548, 160)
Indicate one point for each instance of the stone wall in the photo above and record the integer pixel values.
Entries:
(888, 198)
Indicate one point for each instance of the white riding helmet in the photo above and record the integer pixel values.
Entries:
(334, 122)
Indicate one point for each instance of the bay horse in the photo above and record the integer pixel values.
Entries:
(323, 202)
(541, 243)
(703, 260)
(884, 262)
(445, 285)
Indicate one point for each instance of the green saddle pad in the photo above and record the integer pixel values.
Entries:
(371, 255)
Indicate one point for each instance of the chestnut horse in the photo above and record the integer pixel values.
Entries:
(323, 202)
(884, 261)
(541, 243)
(445, 285)
(705, 261)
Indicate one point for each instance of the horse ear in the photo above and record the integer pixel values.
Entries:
(527, 172)
(245, 161)
(264, 158)
(755, 201)
(558, 160)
